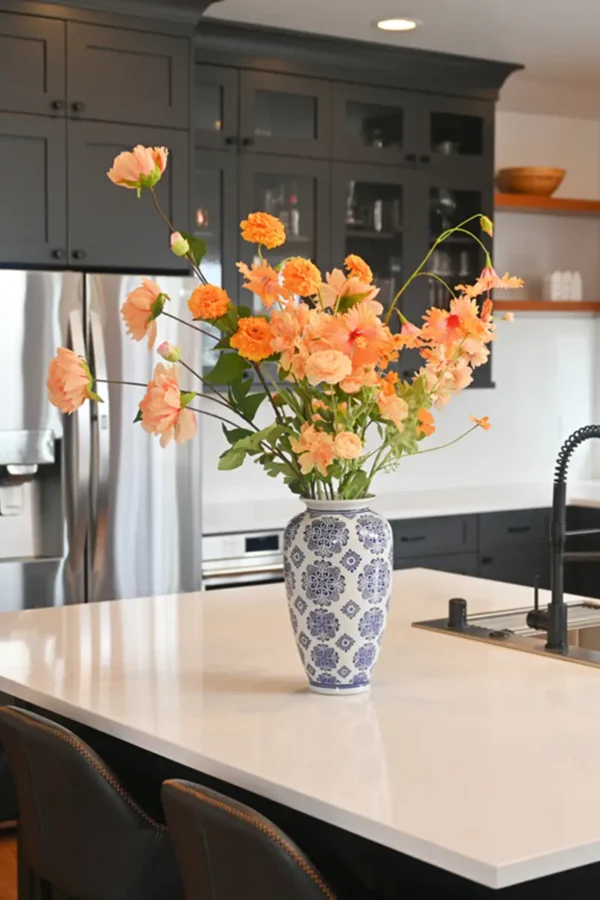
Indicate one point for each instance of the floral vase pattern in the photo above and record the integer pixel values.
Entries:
(338, 562)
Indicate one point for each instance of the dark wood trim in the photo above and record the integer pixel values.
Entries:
(361, 62)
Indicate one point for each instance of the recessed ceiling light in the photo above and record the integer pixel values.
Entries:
(398, 24)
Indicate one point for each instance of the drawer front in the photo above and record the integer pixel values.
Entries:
(428, 537)
(459, 563)
(517, 565)
(513, 529)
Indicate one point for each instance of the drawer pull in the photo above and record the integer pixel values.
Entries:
(486, 560)
(413, 540)
(518, 529)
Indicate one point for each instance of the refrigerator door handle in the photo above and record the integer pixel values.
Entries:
(78, 429)
(100, 452)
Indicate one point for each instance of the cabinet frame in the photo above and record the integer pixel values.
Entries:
(226, 164)
(17, 96)
(459, 106)
(228, 80)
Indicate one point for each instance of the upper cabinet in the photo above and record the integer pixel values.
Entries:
(32, 64)
(376, 125)
(457, 133)
(215, 107)
(120, 75)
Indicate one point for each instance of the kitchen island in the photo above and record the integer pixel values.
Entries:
(477, 763)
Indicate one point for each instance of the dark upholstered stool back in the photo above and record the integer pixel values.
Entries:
(227, 851)
(79, 829)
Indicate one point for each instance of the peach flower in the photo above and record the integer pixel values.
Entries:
(330, 366)
(264, 281)
(357, 267)
(390, 405)
(425, 425)
(301, 276)
(287, 326)
(488, 281)
(208, 302)
(365, 377)
(409, 337)
(314, 448)
(70, 381)
(262, 228)
(337, 286)
(508, 317)
(140, 168)
(347, 445)
(484, 422)
(360, 335)
(137, 310)
(162, 411)
(253, 338)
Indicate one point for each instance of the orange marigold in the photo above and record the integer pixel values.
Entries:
(357, 267)
(261, 228)
(301, 276)
(425, 425)
(253, 338)
(208, 302)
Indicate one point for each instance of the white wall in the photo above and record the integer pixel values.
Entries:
(546, 366)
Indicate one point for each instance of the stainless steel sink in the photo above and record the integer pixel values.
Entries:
(509, 629)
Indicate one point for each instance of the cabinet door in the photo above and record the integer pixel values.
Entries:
(116, 75)
(517, 566)
(215, 107)
(459, 563)
(373, 216)
(374, 125)
(297, 191)
(109, 227)
(215, 220)
(457, 134)
(32, 64)
(33, 220)
(284, 114)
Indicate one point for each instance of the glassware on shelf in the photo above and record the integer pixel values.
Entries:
(202, 218)
(353, 217)
(294, 213)
(444, 204)
(378, 216)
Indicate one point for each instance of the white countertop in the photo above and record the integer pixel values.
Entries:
(476, 759)
(273, 515)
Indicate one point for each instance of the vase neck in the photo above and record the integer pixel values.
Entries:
(332, 506)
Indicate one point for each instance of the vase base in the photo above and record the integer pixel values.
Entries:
(341, 691)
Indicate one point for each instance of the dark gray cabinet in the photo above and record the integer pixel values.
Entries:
(456, 133)
(414, 538)
(33, 171)
(121, 75)
(32, 64)
(458, 563)
(109, 227)
(216, 107)
(519, 565)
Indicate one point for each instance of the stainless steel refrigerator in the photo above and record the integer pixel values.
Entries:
(91, 507)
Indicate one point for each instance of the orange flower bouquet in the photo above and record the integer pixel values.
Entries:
(323, 356)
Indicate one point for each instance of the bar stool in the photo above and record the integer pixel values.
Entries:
(79, 832)
(228, 851)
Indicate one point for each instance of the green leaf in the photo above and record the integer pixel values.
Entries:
(186, 399)
(138, 417)
(244, 312)
(228, 368)
(240, 389)
(223, 344)
(157, 307)
(355, 485)
(231, 459)
(267, 435)
(250, 405)
(234, 435)
(228, 323)
(198, 247)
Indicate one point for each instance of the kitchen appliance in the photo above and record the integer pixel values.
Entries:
(235, 560)
(91, 507)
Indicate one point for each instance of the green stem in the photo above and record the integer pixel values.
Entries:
(277, 412)
(437, 278)
(449, 444)
(172, 229)
(213, 337)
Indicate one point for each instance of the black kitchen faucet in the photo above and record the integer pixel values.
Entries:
(554, 620)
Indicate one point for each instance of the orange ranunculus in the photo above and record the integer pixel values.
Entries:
(70, 381)
(337, 285)
(315, 449)
(253, 339)
(360, 334)
(140, 168)
(488, 281)
(484, 422)
(357, 267)
(265, 282)
(137, 309)
(330, 366)
(262, 228)
(161, 408)
(208, 302)
(347, 445)
(425, 425)
(301, 276)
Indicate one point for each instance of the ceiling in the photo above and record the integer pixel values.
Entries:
(557, 40)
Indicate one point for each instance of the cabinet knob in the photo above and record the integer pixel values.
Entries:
(231, 141)
(411, 157)
(57, 105)
(425, 158)
(58, 254)
(247, 142)
(78, 254)
(78, 106)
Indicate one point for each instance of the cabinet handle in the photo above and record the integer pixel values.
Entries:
(425, 158)
(518, 529)
(58, 254)
(231, 141)
(57, 105)
(78, 254)
(413, 539)
(411, 157)
(247, 142)
(78, 106)
(486, 560)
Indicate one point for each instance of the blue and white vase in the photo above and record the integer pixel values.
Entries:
(338, 562)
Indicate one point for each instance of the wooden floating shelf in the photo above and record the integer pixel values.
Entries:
(527, 203)
(584, 306)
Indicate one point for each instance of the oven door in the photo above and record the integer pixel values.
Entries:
(219, 579)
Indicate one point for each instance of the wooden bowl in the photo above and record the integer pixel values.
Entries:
(537, 180)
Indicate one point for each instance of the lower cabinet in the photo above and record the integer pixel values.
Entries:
(522, 565)
(583, 577)
(459, 563)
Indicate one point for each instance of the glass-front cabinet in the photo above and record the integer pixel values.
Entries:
(216, 104)
(457, 133)
(375, 125)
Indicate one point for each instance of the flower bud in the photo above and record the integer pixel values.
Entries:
(487, 225)
(179, 245)
(169, 352)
